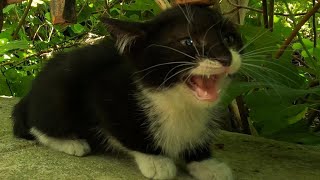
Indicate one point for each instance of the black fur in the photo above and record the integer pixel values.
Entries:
(92, 88)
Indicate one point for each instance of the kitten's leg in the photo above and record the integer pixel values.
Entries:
(203, 167)
(76, 147)
(155, 166)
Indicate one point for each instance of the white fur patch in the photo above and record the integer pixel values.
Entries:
(155, 167)
(124, 42)
(236, 62)
(177, 119)
(208, 67)
(210, 169)
(78, 147)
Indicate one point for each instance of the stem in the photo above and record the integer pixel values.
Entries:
(314, 26)
(15, 34)
(7, 82)
(265, 13)
(296, 29)
(271, 14)
(163, 4)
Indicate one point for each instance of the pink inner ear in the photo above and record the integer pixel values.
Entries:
(205, 88)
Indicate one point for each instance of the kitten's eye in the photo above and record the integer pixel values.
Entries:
(229, 40)
(187, 42)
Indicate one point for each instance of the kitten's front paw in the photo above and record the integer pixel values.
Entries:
(210, 169)
(77, 147)
(155, 167)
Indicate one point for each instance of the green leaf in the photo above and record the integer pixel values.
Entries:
(273, 72)
(14, 45)
(298, 133)
(316, 53)
(308, 43)
(8, 8)
(259, 38)
(273, 110)
(296, 46)
(12, 75)
(4, 89)
(77, 28)
(22, 86)
(3, 41)
(48, 16)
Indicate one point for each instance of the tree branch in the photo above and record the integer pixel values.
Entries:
(15, 34)
(296, 29)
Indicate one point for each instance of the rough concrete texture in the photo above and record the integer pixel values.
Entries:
(251, 158)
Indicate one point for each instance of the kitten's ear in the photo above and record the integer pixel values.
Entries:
(125, 33)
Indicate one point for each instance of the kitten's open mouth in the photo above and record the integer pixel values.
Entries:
(205, 88)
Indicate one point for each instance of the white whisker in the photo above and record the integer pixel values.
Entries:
(173, 49)
(175, 74)
(253, 39)
(162, 64)
(175, 68)
(205, 35)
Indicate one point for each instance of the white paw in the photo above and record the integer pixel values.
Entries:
(210, 169)
(75, 147)
(155, 167)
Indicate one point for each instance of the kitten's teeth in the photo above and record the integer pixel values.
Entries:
(208, 76)
(219, 91)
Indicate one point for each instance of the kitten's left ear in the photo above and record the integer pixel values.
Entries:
(125, 33)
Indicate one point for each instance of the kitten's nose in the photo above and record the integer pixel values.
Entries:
(224, 60)
(221, 55)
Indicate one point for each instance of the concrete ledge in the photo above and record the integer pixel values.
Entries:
(251, 158)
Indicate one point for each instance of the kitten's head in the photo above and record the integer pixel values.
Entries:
(190, 45)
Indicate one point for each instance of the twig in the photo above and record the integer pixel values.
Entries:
(163, 4)
(108, 6)
(300, 61)
(296, 29)
(6, 63)
(14, 1)
(237, 7)
(15, 34)
(244, 114)
(81, 9)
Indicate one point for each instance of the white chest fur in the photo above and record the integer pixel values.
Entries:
(178, 121)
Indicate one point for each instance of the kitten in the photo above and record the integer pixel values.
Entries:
(150, 91)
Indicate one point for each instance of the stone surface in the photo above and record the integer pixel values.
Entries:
(251, 158)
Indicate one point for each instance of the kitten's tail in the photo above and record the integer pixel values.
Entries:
(20, 123)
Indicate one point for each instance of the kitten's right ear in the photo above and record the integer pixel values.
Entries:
(125, 33)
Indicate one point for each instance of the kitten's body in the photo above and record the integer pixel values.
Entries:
(136, 95)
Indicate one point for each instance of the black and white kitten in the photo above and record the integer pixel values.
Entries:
(150, 91)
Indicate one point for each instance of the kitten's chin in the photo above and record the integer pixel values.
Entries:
(205, 88)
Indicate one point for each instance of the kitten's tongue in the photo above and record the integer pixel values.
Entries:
(204, 87)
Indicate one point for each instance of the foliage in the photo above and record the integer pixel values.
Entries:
(282, 95)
